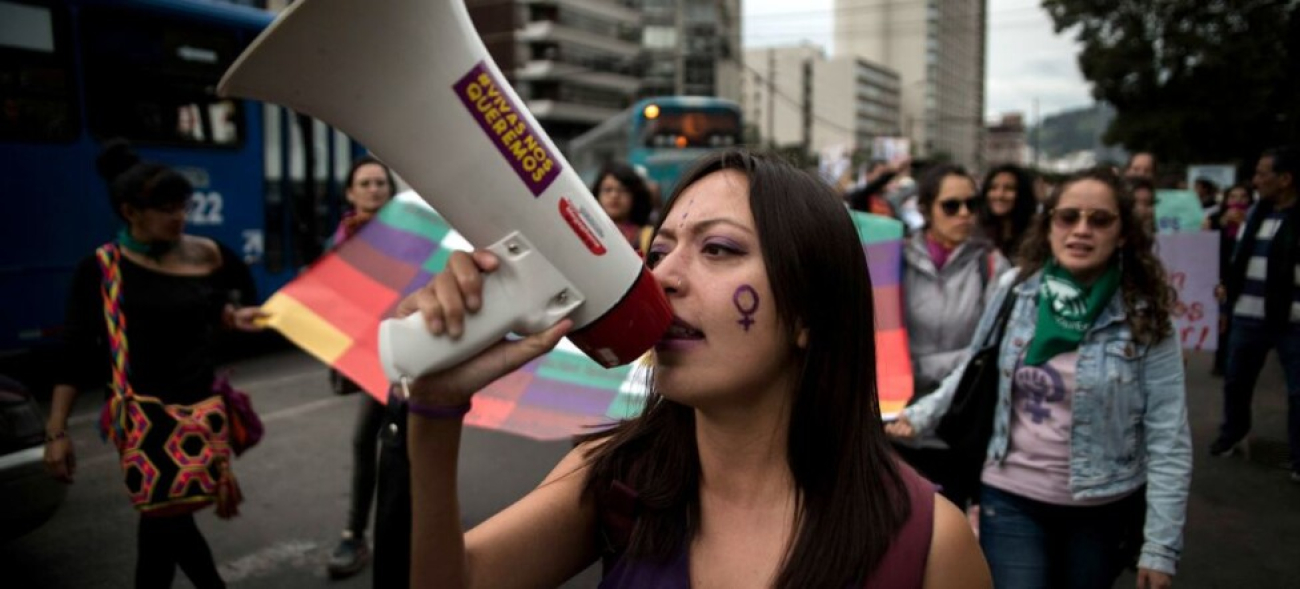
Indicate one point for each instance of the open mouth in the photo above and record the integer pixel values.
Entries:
(681, 330)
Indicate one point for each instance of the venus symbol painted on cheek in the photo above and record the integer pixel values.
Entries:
(746, 301)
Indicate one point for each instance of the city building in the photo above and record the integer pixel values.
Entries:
(776, 93)
(574, 63)
(937, 48)
(796, 96)
(691, 48)
(1004, 141)
(855, 101)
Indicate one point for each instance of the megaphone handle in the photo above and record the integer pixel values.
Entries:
(408, 349)
(526, 294)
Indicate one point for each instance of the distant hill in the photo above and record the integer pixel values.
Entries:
(1077, 130)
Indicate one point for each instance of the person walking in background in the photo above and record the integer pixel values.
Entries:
(1262, 287)
(627, 200)
(759, 458)
(871, 196)
(949, 270)
(1236, 206)
(1141, 164)
(1090, 427)
(1144, 202)
(368, 187)
(1010, 205)
(1208, 193)
(176, 290)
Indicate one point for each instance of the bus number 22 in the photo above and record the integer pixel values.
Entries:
(205, 209)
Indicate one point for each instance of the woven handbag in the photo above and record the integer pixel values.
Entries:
(175, 458)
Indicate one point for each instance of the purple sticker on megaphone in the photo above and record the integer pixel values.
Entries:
(507, 127)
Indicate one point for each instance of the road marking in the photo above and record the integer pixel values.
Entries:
(294, 553)
(305, 408)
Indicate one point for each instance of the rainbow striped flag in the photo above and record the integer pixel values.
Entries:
(882, 241)
(334, 308)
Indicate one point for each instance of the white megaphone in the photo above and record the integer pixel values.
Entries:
(411, 80)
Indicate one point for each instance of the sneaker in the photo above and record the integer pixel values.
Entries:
(1222, 447)
(349, 557)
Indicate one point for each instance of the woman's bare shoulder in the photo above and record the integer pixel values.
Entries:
(956, 561)
(200, 251)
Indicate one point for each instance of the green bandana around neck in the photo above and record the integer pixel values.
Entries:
(1066, 309)
(151, 249)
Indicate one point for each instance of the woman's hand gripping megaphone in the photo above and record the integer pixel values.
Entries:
(442, 307)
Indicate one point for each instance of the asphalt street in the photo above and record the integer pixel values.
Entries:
(1243, 519)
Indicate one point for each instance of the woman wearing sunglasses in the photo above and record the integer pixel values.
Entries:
(1090, 439)
(948, 270)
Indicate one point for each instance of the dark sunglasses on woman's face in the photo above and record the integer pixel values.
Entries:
(1068, 218)
(973, 204)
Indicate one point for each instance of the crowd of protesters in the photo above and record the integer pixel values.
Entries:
(1085, 466)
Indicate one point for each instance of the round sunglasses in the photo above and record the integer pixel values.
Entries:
(1068, 218)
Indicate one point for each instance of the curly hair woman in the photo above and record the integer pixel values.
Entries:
(1090, 438)
(1008, 192)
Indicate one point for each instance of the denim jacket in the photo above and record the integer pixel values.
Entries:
(1130, 415)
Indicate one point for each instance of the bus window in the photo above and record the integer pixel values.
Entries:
(153, 80)
(691, 128)
(37, 93)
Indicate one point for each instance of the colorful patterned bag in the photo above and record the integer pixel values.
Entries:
(175, 458)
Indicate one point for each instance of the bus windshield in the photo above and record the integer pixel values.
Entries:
(687, 127)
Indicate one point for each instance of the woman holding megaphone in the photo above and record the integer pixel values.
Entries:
(759, 459)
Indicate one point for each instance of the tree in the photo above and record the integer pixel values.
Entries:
(1191, 80)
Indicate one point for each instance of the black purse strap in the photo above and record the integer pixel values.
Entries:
(999, 327)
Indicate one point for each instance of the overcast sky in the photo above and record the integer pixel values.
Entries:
(1026, 60)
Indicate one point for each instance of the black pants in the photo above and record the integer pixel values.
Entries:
(163, 543)
(365, 442)
(392, 564)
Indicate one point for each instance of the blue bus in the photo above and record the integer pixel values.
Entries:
(661, 136)
(74, 73)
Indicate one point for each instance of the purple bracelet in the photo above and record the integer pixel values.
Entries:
(438, 411)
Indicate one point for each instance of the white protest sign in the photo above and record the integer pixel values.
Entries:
(888, 149)
(1222, 175)
(1192, 264)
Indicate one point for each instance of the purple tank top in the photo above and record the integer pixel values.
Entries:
(901, 567)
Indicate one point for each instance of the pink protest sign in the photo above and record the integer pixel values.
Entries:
(1192, 264)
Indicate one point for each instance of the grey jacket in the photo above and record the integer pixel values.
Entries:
(942, 307)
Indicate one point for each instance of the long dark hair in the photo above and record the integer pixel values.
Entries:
(1148, 299)
(139, 183)
(1022, 211)
(642, 204)
(851, 497)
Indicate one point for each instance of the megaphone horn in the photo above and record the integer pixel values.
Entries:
(411, 80)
